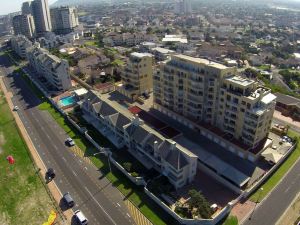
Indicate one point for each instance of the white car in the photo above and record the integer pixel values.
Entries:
(16, 108)
(70, 142)
(81, 219)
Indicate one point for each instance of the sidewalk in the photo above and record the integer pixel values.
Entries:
(242, 210)
(67, 215)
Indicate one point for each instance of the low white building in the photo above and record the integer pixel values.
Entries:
(166, 156)
(19, 44)
(50, 67)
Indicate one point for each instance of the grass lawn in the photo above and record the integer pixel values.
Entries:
(275, 178)
(135, 194)
(231, 220)
(92, 43)
(24, 199)
(264, 67)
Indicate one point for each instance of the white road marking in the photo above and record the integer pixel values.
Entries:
(48, 136)
(118, 204)
(100, 206)
(128, 215)
(55, 147)
(75, 174)
(287, 189)
(64, 159)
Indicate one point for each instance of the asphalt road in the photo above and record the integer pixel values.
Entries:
(94, 195)
(270, 209)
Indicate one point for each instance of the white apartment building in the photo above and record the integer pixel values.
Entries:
(137, 75)
(50, 67)
(24, 24)
(166, 156)
(19, 44)
(200, 93)
(64, 19)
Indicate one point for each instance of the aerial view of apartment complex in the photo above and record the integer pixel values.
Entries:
(173, 112)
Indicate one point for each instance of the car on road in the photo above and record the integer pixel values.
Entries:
(70, 142)
(50, 174)
(16, 108)
(81, 219)
(68, 200)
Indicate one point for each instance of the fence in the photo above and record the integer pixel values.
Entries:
(181, 220)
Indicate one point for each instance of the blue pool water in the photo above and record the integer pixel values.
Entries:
(70, 100)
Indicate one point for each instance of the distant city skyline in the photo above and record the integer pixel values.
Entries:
(14, 6)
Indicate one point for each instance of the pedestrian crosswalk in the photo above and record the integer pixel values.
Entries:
(80, 153)
(137, 216)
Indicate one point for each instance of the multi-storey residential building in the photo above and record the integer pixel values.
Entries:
(199, 92)
(41, 15)
(24, 24)
(169, 158)
(52, 68)
(64, 19)
(27, 8)
(137, 75)
(19, 44)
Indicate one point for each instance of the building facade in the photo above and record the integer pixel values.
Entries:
(166, 156)
(24, 24)
(50, 67)
(137, 75)
(19, 44)
(64, 19)
(27, 8)
(41, 15)
(205, 93)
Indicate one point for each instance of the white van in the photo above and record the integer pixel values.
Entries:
(82, 220)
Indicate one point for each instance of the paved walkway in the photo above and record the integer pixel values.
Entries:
(242, 210)
(66, 216)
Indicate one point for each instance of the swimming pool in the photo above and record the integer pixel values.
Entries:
(66, 101)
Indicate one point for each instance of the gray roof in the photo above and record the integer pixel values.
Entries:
(150, 141)
(139, 134)
(104, 109)
(176, 159)
(287, 99)
(119, 120)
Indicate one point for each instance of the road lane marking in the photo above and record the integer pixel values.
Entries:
(55, 147)
(287, 189)
(64, 159)
(100, 206)
(118, 204)
(128, 215)
(74, 173)
(48, 136)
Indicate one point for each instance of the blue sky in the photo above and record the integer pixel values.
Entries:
(8, 6)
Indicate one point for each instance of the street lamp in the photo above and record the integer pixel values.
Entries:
(258, 197)
(107, 153)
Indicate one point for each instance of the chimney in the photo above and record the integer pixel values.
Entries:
(136, 120)
(155, 147)
(173, 146)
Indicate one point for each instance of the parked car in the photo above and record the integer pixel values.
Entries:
(68, 200)
(70, 142)
(81, 219)
(16, 108)
(50, 174)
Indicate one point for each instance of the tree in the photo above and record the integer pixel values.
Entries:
(198, 201)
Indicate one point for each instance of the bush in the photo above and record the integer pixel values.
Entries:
(183, 212)
(135, 174)
(127, 166)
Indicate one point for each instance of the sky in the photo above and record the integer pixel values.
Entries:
(9, 6)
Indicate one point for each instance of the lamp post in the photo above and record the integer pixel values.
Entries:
(107, 153)
(258, 197)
